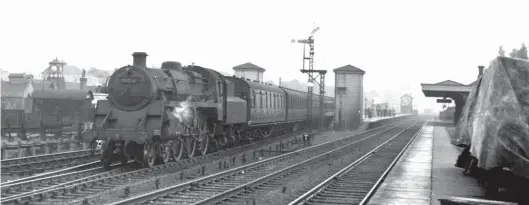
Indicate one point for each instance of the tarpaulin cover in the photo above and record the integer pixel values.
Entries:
(495, 116)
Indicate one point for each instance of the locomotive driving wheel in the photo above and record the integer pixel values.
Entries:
(166, 152)
(125, 153)
(177, 149)
(203, 138)
(149, 154)
(190, 145)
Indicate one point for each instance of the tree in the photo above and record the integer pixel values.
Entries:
(522, 53)
(513, 53)
(518, 53)
(501, 52)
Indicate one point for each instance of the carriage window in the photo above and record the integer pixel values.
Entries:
(275, 101)
(261, 99)
(271, 100)
(265, 99)
(268, 100)
(253, 99)
(280, 101)
(297, 103)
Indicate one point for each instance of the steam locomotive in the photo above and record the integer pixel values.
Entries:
(153, 115)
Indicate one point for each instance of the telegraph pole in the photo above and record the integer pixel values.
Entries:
(313, 78)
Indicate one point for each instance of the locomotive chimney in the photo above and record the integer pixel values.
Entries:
(140, 59)
(480, 70)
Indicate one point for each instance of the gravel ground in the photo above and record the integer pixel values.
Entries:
(174, 178)
(332, 135)
(316, 174)
(306, 180)
(9, 178)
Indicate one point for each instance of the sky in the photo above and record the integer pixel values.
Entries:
(399, 44)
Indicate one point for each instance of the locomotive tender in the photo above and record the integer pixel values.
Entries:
(152, 115)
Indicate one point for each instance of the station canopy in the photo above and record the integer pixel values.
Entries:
(443, 89)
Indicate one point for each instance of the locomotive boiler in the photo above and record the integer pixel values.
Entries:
(151, 115)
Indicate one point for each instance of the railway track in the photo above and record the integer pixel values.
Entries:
(244, 180)
(358, 181)
(93, 184)
(60, 178)
(37, 164)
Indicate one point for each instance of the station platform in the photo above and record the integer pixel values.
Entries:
(426, 173)
(375, 119)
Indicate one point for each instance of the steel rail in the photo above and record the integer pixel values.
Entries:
(43, 193)
(244, 169)
(59, 186)
(47, 174)
(284, 171)
(38, 182)
(318, 188)
(15, 160)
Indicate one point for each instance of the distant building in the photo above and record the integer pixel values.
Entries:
(59, 75)
(406, 104)
(71, 75)
(249, 71)
(16, 90)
